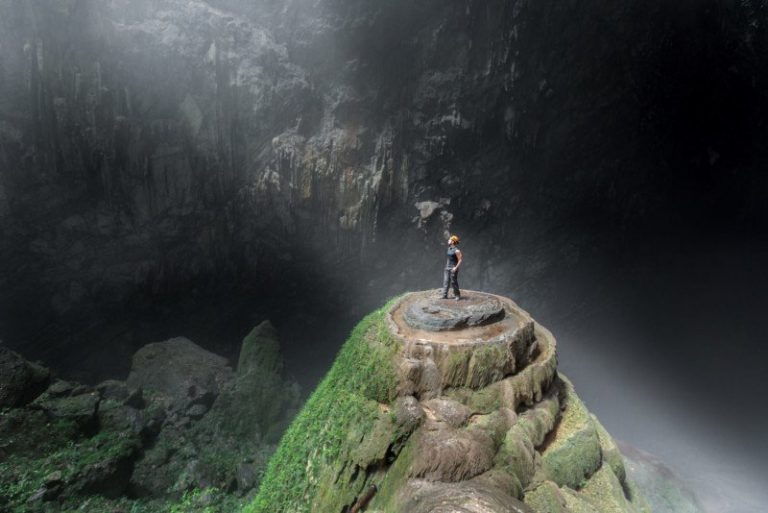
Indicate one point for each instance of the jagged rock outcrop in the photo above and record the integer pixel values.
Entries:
(150, 148)
(186, 374)
(183, 421)
(476, 420)
(21, 381)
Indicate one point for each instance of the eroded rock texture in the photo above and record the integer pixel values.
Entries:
(474, 420)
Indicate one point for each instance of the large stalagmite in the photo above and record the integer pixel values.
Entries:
(445, 406)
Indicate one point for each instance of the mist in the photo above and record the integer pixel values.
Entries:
(196, 167)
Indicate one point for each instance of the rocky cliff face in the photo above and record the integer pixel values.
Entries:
(474, 417)
(153, 150)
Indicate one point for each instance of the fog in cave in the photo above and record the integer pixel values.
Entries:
(192, 168)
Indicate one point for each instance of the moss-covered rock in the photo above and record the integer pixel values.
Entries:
(573, 452)
(261, 350)
(409, 420)
(651, 483)
(312, 468)
(605, 491)
(80, 409)
(546, 498)
(82, 466)
(610, 451)
(21, 381)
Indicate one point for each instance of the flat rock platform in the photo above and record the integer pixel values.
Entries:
(427, 312)
(471, 342)
(478, 317)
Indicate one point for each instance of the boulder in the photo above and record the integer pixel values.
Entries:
(261, 350)
(452, 412)
(80, 409)
(115, 390)
(114, 416)
(183, 372)
(109, 476)
(60, 388)
(21, 381)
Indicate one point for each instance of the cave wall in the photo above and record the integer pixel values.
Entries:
(161, 150)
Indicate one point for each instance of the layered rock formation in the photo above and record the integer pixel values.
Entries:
(428, 417)
(157, 148)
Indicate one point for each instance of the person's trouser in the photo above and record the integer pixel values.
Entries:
(451, 278)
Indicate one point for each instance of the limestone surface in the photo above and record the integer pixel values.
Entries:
(433, 313)
(471, 419)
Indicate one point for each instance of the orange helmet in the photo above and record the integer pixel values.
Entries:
(454, 239)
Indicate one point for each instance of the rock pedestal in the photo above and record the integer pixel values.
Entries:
(468, 343)
(448, 406)
(434, 313)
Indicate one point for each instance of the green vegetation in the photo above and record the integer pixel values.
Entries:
(484, 365)
(397, 475)
(352, 432)
(454, 369)
(209, 500)
(304, 474)
(573, 452)
(483, 401)
(22, 476)
(546, 497)
(31, 432)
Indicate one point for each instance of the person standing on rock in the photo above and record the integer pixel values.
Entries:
(451, 272)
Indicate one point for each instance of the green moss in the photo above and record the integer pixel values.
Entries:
(31, 432)
(576, 503)
(642, 505)
(302, 474)
(516, 456)
(374, 444)
(573, 452)
(483, 401)
(261, 350)
(454, 368)
(494, 424)
(604, 490)
(21, 476)
(484, 365)
(208, 500)
(611, 453)
(397, 475)
(537, 422)
(546, 498)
